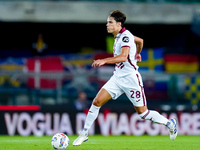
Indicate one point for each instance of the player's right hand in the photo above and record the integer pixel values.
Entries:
(98, 63)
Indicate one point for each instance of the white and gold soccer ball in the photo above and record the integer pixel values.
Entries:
(60, 141)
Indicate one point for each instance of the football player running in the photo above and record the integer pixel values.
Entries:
(126, 78)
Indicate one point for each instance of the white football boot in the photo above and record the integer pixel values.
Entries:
(81, 138)
(174, 130)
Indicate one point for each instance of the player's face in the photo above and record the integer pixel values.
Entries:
(113, 26)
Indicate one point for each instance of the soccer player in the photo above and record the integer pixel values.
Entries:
(126, 78)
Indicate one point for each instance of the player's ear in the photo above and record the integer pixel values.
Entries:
(119, 24)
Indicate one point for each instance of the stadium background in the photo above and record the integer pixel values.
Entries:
(46, 52)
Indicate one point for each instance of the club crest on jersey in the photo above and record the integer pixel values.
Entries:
(125, 39)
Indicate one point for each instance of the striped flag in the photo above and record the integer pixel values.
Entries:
(181, 63)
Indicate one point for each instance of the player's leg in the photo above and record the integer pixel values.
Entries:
(108, 91)
(137, 97)
(155, 117)
(102, 97)
(151, 115)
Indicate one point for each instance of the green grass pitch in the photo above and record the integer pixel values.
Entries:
(98, 142)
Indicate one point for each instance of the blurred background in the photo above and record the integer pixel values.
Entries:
(47, 48)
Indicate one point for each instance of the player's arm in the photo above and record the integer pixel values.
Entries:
(111, 60)
(139, 45)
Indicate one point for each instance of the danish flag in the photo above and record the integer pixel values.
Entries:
(43, 65)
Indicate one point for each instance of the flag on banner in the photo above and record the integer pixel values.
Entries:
(42, 65)
(181, 63)
(152, 59)
(192, 89)
(77, 60)
(12, 64)
(156, 89)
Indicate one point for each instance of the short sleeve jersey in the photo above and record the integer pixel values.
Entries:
(125, 39)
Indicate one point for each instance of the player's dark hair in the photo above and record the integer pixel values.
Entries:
(118, 16)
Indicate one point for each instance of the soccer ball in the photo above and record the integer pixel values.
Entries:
(60, 141)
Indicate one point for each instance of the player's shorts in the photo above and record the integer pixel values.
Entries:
(131, 85)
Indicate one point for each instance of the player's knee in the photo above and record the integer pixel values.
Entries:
(97, 102)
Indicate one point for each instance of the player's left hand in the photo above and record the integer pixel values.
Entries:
(139, 58)
(98, 63)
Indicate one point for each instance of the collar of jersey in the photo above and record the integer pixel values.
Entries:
(120, 32)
